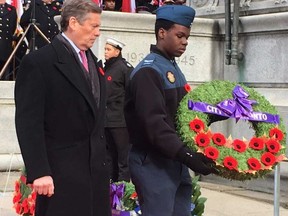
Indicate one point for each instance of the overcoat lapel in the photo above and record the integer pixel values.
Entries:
(72, 71)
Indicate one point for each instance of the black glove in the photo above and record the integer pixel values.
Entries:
(196, 161)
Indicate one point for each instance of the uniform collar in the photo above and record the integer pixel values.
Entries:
(112, 60)
(154, 49)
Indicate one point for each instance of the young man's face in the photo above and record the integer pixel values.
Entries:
(109, 5)
(110, 51)
(176, 40)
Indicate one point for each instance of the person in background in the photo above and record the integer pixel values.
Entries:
(117, 71)
(159, 160)
(109, 5)
(45, 10)
(60, 110)
(8, 24)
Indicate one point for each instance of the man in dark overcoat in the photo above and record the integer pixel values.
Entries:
(8, 23)
(60, 104)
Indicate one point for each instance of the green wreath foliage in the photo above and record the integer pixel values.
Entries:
(212, 93)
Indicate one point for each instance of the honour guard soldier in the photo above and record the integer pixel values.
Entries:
(8, 24)
(45, 10)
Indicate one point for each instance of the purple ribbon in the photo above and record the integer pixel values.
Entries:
(240, 108)
(120, 213)
(116, 193)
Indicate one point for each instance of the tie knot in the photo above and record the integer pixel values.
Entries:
(82, 53)
(84, 59)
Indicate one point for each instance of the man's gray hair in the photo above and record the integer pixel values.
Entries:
(78, 9)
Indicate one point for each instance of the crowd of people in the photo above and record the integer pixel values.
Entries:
(41, 13)
(37, 18)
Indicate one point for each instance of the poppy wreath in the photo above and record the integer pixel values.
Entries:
(235, 159)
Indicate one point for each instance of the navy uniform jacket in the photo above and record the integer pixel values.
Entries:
(8, 23)
(44, 15)
(156, 87)
(117, 71)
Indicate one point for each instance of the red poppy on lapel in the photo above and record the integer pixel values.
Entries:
(101, 71)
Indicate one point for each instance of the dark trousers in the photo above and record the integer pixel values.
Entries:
(163, 186)
(118, 149)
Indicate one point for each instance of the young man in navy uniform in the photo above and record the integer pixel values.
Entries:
(159, 160)
(8, 24)
(117, 71)
(45, 10)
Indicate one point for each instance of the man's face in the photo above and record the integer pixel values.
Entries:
(85, 33)
(175, 40)
(109, 5)
(111, 51)
(47, 1)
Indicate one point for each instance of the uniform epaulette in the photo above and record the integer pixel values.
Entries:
(148, 61)
(127, 63)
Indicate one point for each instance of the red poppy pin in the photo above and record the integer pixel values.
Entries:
(187, 87)
(101, 71)
(9, 9)
(109, 78)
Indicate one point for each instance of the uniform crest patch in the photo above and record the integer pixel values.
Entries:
(170, 76)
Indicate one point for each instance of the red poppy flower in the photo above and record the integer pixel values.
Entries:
(273, 146)
(202, 139)
(32, 209)
(239, 145)
(211, 152)
(101, 71)
(34, 195)
(219, 139)
(25, 206)
(9, 9)
(17, 186)
(187, 87)
(23, 179)
(133, 195)
(18, 208)
(256, 143)
(230, 163)
(197, 125)
(17, 197)
(268, 159)
(254, 163)
(276, 133)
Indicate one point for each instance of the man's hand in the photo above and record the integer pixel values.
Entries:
(44, 186)
(196, 161)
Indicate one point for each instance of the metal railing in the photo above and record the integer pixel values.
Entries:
(277, 189)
